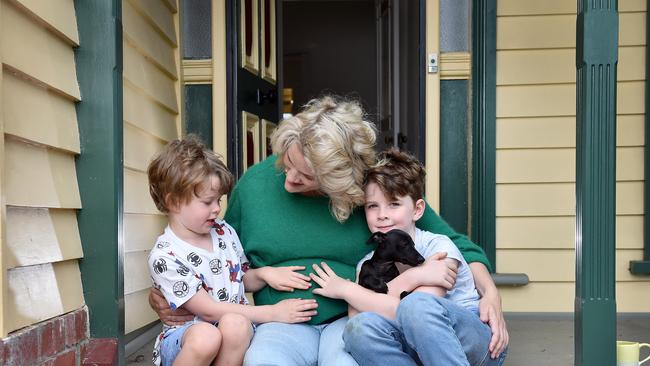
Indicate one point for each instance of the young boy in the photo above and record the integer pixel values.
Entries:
(431, 326)
(198, 263)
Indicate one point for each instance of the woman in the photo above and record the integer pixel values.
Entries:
(303, 206)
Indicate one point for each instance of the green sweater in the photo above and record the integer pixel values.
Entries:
(278, 228)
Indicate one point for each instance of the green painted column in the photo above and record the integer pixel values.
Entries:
(595, 302)
(99, 166)
(484, 89)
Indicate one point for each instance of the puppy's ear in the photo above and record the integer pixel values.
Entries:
(377, 238)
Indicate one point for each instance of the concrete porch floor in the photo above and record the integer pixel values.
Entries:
(535, 339)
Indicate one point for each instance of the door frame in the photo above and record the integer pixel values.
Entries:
(432, 105)
(220, 82)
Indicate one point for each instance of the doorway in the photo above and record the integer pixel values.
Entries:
(368, 50)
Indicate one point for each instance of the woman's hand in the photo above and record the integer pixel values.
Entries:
(294, 310)
(165, 313)
(285, 278)
(490, 308)
(331, 284)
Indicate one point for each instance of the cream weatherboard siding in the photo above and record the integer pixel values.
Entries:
(535, 166)
(41, 247)
(151, 119)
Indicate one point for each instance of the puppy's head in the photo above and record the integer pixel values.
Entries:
(377, 238)
(397, 246)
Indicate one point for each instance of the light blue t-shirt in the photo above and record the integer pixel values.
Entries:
(427, 244)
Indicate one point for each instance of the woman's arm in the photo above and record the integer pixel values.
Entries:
(490, 303)
(490, 308)
(286, 311)
(165, 313)
(432, 222)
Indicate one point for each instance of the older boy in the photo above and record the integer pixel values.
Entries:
(431, 326)
(199, 264)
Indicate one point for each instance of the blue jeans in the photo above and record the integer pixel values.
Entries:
(299, 345)
(428, 330)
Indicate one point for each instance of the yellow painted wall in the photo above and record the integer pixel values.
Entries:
(535, 166)
(40, 238)
(151, 119)
(3, 210)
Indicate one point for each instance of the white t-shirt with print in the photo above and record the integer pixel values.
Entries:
(427, 244)
(179, 269)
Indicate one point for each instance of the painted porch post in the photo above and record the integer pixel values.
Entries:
(596, 61)
(100, 166)
(484, 88)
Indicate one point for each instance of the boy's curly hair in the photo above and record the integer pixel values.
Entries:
(397, 174)
(178, 172)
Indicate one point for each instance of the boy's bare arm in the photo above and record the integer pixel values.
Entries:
(253, 279)
(286, 311)
(359, 298)
(352, 311)
(279, 278)
(439, 290)
(436, 271)
(363, 299)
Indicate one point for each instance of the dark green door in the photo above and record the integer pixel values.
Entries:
(253, 84)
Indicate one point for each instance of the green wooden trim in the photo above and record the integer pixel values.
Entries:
(453, 153)
(595, 301)
(483, 219)
(643, 267)
(198, 111)
(99, 166)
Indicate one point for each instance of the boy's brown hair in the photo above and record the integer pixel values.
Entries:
(179, 170)
(397, 174)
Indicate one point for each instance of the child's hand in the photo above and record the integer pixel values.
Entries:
(437, 271)
(332, 286)
(294, 310)
(286, 278)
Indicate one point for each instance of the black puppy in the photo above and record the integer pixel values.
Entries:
(393, 246)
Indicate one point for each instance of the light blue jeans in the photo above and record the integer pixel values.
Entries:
(299, 345)
(428, 330)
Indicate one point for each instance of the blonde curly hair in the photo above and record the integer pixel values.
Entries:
(338, 145)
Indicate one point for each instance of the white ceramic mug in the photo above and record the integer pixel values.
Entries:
(627, 353)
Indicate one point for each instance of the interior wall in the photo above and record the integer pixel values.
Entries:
(330, 46)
